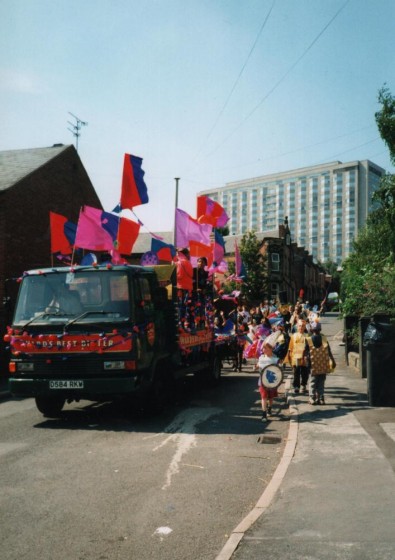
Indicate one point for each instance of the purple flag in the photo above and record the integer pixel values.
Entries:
(188, 229)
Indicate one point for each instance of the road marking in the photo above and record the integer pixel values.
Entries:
(183, 430)
(163, 531)
(389, 429)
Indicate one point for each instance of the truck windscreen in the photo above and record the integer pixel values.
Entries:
(64, 296)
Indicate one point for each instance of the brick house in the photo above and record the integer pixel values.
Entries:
(34, 182)
(289, 268)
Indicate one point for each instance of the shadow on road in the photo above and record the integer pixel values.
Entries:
(235, 403)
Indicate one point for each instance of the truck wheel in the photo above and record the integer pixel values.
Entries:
(160, 391)
(216, 371)
(50, 407)
(212, 374)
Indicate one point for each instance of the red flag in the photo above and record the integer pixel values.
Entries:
(127, 234)
(59, 241)
(134, 189)
(164, 251)
(211, 212)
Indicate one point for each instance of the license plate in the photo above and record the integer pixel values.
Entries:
(67, 384)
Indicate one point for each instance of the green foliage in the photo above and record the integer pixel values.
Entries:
(368, 277)
(256, 284)
(223, 231)
(332, 268)
(367, 290)
(385, 119)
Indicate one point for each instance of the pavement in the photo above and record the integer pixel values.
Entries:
(333, 493)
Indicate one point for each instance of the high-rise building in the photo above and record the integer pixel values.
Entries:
(326, 205)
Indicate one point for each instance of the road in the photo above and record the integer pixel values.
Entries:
(102, 484)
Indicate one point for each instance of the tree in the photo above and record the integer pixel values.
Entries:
(223, 231)
(255, 285)
(385, 119)
(332, 269)
(368, 273)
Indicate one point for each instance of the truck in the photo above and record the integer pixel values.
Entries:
(99, 332)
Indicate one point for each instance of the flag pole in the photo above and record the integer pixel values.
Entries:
(175, 213)
(72, 256)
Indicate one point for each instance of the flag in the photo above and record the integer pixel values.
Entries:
(62, 234)
(127, 234)
(211, 212)
(96, 230)
(89, 259)
(164, 251)
(149, 259)
(188, 229)
(239, 266)
(134, 189)
(116, 257)
(198, 250)
(102, 231)
(219, 247)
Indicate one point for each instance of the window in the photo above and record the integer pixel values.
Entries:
(274, 289)
(275, 258)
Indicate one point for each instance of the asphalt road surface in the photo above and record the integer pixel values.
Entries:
(100, 483)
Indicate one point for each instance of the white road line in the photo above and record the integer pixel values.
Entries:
(183, 434)
(389, 428)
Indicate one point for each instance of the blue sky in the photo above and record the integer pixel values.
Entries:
(210, 91)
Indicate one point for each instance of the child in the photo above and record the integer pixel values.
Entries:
(322, 360)
(267, 395)
(297, 356)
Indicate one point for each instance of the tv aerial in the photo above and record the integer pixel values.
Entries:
(76, 128)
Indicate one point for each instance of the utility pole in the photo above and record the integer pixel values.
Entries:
(76, 128)
(175, 212)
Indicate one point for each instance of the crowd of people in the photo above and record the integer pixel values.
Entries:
(285, 335)
(266, 334)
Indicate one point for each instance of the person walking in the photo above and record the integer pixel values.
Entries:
(321, 363)
(297, 357)
(267, 395)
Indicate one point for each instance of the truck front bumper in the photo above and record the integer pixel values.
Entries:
(91, 388)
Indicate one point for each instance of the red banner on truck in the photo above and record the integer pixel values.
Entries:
(110, 342)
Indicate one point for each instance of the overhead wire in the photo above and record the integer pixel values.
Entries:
(208, 136)
(299, 149)
(282, 77)
(313, 145)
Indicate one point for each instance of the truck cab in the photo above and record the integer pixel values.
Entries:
(97, 332)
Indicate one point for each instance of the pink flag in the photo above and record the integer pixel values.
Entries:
(188, 229)
(91, 233)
